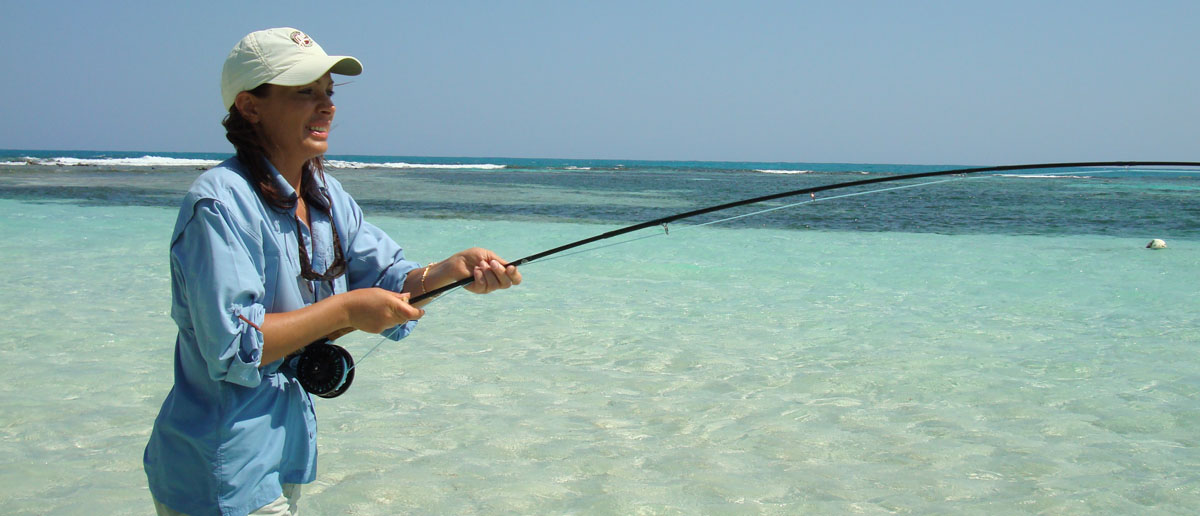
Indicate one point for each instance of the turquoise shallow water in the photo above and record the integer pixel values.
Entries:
(876, 355)
(712, 371)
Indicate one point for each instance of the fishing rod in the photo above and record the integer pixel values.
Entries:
(327, 370)
(802, 191)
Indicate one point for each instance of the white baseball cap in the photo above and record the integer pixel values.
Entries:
(283, 56)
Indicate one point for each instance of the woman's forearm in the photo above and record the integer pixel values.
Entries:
(369, 309)
(430, 277)
(286, 332)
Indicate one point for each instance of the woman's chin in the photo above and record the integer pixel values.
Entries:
(317, 148)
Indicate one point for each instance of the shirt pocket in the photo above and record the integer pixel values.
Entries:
(283, 282)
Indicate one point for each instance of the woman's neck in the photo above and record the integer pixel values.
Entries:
(291, 170)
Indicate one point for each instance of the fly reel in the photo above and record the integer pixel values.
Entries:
(324, 368)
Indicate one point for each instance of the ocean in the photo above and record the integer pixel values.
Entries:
(991, 344)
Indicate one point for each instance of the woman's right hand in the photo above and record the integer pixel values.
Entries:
(367, 309)
(375, 309)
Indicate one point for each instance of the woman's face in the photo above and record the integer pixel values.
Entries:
(295, 120)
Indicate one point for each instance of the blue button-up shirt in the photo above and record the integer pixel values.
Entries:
(233, 430)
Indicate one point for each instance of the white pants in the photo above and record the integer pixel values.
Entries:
(285, 505)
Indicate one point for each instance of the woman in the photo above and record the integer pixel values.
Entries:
(268, 255)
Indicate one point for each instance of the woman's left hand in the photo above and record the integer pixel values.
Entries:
(487, 269)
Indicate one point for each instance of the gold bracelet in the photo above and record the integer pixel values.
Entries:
(426, 273)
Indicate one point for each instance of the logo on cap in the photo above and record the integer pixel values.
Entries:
(301, 39)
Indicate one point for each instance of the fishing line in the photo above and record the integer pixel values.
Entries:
(385, 337)
(347, 364)
(751, 214)
(326, 369)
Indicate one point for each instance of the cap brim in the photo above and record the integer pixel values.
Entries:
(310, 70)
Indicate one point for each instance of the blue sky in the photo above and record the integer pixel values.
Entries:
(879, 82)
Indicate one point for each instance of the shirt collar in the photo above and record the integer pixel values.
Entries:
(285, 188)
(281, 184)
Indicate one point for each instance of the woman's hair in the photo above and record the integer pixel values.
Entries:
(253, 155)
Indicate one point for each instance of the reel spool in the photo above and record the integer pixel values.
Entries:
(324, 369)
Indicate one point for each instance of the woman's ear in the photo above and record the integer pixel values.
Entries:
(247, 105)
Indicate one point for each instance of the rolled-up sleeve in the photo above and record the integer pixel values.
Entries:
(219, 265)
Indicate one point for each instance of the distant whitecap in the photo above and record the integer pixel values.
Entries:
(1043, 176)
(333, 163)
(144, 161)
(771, 171)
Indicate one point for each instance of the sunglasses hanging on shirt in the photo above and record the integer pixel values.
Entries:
(322, 367)
(335, 269)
